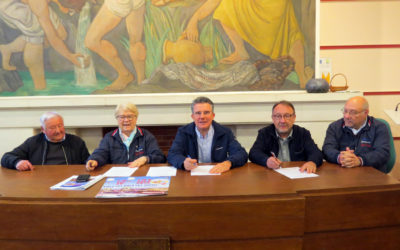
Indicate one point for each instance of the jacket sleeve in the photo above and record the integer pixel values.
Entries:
(176, 154)
(258, 153)
(153, 150)
(380, 152)
(330, 148)
(10, 159)
(102, 153)
(312, 150)
(237, 154)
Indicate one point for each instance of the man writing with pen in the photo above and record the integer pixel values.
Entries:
(205, 141)
(284, 141)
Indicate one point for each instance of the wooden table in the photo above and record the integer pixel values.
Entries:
(246, 208)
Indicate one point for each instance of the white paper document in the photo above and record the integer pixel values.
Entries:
(203, 170)
(294, 173)
(161, 171)
(120, 172)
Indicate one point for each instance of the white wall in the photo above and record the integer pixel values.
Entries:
(245, 112)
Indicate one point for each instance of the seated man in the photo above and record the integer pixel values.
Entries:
(357, 139)
(284, 141)
(205, 141)
(51, 147)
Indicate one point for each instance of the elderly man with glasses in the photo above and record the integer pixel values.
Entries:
(284, 141)
(357, 139)
(128, 144)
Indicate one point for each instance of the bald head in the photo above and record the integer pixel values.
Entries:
(359, 102)
(355, 112)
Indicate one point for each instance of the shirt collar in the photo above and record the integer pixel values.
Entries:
(127, 138)
(210, 132)
(356, 131)
(278, 136)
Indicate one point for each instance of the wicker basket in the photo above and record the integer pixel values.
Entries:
(338, 88)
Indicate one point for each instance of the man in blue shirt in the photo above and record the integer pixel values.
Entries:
(205, 141)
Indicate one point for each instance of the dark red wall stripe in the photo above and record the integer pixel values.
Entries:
(357, 0)
(369, 46)
(382, 93)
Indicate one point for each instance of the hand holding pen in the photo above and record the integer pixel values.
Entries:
(190, 163)
(273, 161)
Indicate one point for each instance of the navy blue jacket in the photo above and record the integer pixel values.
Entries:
(224, 146)
(113, 151)
(301, 146)
(372, 143)
(35, 148)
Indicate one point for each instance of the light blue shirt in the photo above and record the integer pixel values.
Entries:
(204, 145)
(127, 140)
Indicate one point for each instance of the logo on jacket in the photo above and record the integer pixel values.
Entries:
(139, 151)
(365, 143)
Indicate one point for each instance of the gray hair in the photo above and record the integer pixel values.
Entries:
(202, 99)
(47, 116)
(126, 107)
(285, 103)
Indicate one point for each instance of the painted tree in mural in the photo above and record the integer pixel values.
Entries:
(52, 47)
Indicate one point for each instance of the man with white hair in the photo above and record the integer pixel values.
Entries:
(51, 147)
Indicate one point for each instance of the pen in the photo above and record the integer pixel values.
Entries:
(273, 154)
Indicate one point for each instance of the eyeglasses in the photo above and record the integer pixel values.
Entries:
(351, 112)
(285, 116)
(127, 117)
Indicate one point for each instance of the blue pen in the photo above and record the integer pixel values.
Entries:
(188, 156)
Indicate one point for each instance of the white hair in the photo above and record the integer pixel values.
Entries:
(48, 115)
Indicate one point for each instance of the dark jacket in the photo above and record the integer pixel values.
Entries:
(113, 151)
(372, 143)
(224, 146)
(301, 146)
(35, 148)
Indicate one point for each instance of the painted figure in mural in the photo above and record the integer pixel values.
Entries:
(270, 26)
(38, 24)
(108, 17)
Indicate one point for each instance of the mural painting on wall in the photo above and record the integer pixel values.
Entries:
(74, 47)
